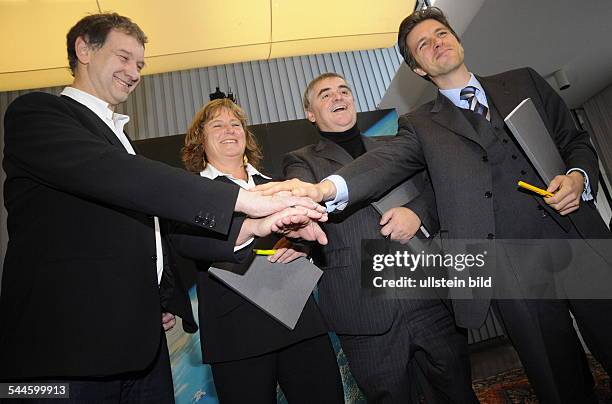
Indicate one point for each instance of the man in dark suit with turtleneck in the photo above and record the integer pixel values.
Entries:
(395, 347)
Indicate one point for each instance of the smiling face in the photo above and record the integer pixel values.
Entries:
(436, 50)
(224, 138)
(332, 107)
(112, 71)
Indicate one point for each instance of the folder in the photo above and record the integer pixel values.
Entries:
(401, 195)
(281, 290)
(529, 130)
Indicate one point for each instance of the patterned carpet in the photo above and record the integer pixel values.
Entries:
(512, 387)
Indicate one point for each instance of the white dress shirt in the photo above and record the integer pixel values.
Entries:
(116, 122)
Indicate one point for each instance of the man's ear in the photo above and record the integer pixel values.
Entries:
(82, 49)
(419, 71)
(310, 116)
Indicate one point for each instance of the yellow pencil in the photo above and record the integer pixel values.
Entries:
(537, 190)
(264, 252)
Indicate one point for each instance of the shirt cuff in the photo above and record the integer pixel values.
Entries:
(586, 194)
(341, 199)
(243, 245)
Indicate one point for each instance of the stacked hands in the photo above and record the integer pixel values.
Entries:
(292, 208)
(399, 224)
(281, 212)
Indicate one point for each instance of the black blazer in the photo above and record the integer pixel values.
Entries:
(438, 137)
(79, 291)
(231, 327)
(347, 306)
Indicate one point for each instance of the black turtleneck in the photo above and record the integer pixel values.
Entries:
(350, 140)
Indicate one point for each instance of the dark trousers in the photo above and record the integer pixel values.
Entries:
(307, 372)
(423, 353)
(543, 334)
(151, 385)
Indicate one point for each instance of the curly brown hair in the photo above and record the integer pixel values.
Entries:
(193, 153)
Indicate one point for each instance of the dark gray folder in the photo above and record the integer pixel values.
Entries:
(401, 195)
(281, 290)
(529, 130)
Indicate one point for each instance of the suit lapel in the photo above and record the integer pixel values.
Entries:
(331, 151)
(97, 125)
(258, 180)
(447, 114)
(502, 96)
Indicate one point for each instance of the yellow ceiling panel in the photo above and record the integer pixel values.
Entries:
(185, 34)
(324, 18)
(59, 76)
(34, 32)
(194, 25)
(211, 57)
(338, 44)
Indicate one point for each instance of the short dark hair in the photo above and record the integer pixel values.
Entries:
(95, 28)
(314, 82)
(429, 13)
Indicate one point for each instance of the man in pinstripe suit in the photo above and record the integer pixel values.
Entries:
(397, 348)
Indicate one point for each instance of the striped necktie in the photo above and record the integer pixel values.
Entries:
(469, 94)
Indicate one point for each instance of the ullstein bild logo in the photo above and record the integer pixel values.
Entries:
(432, 282)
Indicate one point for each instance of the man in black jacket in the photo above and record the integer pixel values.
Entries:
(80, 296)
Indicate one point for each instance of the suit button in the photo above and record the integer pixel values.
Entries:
(505, 141)
(523, 172)
(490, 236)
(544, 215)
(488, 194)
(154, 258)
(514, 157)
(485, 159)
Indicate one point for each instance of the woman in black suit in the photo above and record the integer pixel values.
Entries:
(249, 352)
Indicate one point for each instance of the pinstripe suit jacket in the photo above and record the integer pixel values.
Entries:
(347, 307)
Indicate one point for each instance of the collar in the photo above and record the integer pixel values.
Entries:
(344, 136)
(454, 94)
(98, 106)
(211, 173)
